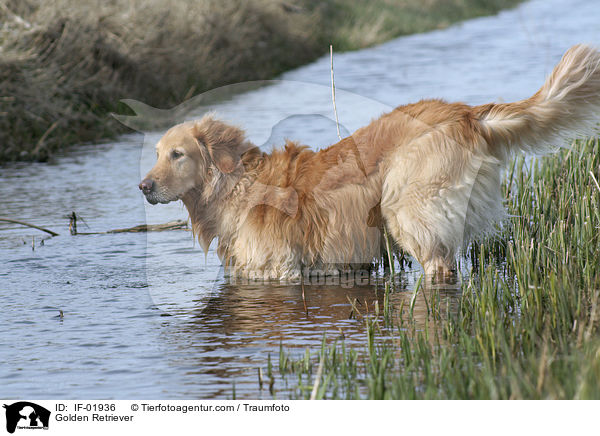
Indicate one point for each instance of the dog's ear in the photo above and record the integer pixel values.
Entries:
(224, 143)
(224, 158)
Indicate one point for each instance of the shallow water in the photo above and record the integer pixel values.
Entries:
(149, 315)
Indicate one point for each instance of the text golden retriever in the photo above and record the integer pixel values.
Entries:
(430, 172)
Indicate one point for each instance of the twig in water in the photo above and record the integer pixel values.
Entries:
(8, 220)
(171, 225)
(260, 378)
(304, 296)
(315, 389)
(337, 122)
(354, 312)
(73, 218)
(73, 223)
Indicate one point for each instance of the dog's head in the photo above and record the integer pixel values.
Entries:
(191, 156)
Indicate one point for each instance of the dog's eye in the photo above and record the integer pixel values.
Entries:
(176, 154)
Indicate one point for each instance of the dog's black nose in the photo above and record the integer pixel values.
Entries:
(146, 186)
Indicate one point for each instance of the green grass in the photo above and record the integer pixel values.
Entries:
(66, 64)
(523, 325)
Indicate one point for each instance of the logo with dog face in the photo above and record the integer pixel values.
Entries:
(26, 415)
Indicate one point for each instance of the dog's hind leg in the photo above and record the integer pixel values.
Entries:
(434, 215)
(419, 239)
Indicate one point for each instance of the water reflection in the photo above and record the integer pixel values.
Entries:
(275, 312)
(228, 337)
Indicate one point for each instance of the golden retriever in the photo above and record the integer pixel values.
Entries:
(430, 172)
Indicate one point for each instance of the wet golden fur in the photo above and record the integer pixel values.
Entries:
(430, 172)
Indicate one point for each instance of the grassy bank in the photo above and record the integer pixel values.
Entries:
(525, 325)
(65, 64)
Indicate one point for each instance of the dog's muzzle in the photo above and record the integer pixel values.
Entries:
(154, 194)
(146, 186)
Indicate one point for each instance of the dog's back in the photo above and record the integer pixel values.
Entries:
(430, 172)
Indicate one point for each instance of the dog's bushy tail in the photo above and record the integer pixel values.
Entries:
(566, 106)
